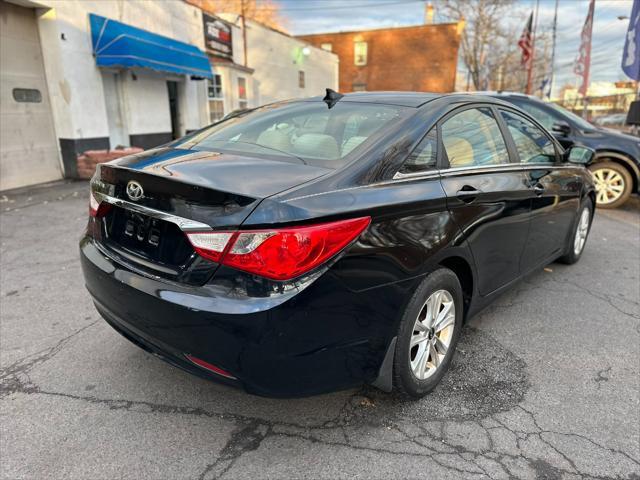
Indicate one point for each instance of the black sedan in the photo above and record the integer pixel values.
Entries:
(616, 165)
(319, 244)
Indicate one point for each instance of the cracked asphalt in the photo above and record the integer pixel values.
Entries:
(544, 385)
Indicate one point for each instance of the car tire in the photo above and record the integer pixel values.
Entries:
(613, 184)
(581, 230)
(440, 290)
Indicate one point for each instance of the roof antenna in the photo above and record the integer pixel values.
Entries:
(332, 97)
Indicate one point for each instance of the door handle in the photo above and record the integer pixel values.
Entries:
(538, 189)
(468, 193)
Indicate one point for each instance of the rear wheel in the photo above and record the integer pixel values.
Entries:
(428, 334)
(580, 234)
(613, 184)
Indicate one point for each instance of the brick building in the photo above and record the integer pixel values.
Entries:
(418, 58)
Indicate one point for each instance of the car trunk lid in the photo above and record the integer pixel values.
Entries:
(179, 190)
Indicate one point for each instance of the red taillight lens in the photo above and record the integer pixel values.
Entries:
(279, 254)
(97, 209)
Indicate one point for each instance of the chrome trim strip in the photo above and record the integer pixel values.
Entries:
(426, 174)
(482, 169)
(184, 224)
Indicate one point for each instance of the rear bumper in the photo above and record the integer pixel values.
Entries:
(323, 338)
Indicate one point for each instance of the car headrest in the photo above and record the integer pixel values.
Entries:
(274, 139)
(459, 151)
(351, 143)
(316, 145)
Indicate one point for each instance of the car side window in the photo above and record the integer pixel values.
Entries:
(423, 156)
(532, 144)
(546, 119)
(473, 138)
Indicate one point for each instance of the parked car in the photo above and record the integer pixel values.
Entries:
(314, 245)
(616, 165)
(613, 120)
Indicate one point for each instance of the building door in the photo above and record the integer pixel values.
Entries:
(173, 108)
(28, 144)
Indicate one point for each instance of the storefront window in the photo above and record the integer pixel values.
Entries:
(216, 102)
(360, 53)
(242, 92)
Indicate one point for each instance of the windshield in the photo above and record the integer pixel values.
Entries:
(581, 122)
(306, 132)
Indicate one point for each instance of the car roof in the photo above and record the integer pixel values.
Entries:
(411, 99)
(404, 99)
(501, 93)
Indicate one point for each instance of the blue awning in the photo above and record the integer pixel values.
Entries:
(116, 44)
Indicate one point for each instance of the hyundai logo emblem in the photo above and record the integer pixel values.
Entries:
(134, 190)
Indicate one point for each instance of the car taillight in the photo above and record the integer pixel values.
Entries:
(210, 245)
(97, 209)
(279, 254)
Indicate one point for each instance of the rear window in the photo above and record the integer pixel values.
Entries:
(307, 132)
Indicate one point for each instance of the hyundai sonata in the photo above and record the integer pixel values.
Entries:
(319, 244)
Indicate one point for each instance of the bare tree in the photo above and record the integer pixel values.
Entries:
(483, 34)
(505, 69)
(489, 44)
(265, 11)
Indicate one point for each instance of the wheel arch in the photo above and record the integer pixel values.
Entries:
(464, 271)
(592, 196)
(621, 159)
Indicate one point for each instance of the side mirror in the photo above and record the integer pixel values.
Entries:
(579, 154)
(561, 127)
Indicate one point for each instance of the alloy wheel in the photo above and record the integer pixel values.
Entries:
(432, 334)
(609, 185)
(581, 232)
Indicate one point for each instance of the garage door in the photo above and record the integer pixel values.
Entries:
(28, 147)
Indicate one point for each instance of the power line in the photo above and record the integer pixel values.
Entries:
(362, 5)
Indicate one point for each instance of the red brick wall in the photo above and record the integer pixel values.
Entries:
(422, 58)
(88, 160)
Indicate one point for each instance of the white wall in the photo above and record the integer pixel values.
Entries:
(75, 83)
(276, 59)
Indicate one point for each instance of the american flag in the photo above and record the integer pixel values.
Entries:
(525, 41)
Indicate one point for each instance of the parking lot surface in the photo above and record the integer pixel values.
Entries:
(545, 382)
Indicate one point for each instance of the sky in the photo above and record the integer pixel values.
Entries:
(314, 16)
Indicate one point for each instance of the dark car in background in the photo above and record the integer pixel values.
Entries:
(616, 165)
(319, 244)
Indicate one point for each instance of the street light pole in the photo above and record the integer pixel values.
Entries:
(244, 29)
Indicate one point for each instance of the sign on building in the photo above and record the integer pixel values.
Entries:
(217, 36)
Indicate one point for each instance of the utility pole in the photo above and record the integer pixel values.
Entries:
(244, 29)
(553, 50)
(533, 50)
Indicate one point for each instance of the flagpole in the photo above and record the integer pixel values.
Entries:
(533, 49)
(553, 50)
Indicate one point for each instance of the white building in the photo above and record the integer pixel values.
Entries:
(78, 75)
(278, 66)
(55, 101)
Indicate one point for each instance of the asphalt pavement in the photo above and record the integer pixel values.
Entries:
(544, 384)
